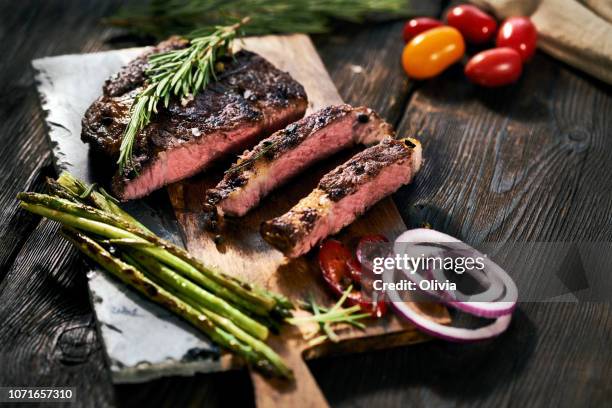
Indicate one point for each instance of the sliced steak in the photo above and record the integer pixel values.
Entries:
(250, 100)
(343, 195)
(289, 151)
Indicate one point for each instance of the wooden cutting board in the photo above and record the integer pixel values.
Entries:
(245, 254)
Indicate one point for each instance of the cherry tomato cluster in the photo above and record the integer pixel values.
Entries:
(432, 46)
(342, 269)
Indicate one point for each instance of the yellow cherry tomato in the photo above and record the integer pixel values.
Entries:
(431, 52)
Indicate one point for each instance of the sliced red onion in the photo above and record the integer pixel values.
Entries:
(450, 333)
(501, 288)
(496, 276)
(494, 286)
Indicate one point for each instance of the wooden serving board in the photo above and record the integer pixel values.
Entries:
(244, 253)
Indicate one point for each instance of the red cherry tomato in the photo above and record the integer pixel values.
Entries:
(518, 33)
(476, 26)
(431, 52)
(419, 25)
(495, 67)
(340, 270)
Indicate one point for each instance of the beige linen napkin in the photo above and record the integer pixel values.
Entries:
(576, 32)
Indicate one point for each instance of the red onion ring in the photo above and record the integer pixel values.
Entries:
(455, 334)
(500, 309)
(494, 290)
(489, 309)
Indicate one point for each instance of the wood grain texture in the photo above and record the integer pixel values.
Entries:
(552, 355)
(24, 151)
(526, 163)
(48, 334)
(303, 391)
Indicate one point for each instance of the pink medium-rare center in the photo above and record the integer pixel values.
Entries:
(249, 99)
(343, 195)
(290, 151)
(192, 157)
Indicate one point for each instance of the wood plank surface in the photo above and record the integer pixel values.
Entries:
(47, 335)
(552, 355)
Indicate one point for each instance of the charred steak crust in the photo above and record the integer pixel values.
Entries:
(249, 92)
(288, 230)
(346, 178)
(132, 75)
(284, 140)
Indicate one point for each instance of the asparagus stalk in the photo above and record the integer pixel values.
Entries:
(259, 300)
(137, 280)
(225, 323)
(205, 307)
(112, 232)
(101, 201)
(80, 210)
(62, 192)
(199, 296)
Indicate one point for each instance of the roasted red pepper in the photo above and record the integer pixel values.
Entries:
(341, 269)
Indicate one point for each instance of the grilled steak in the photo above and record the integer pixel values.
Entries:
(250, 100)
(343, 195)
(289, 151)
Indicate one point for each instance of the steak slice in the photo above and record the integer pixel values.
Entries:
(343, 195)
(289, 151)
(250, 99)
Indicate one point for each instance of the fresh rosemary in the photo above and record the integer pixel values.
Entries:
(181, 73)
(161, 18)
(326, 318)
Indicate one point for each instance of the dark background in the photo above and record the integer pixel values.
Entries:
(530, 162)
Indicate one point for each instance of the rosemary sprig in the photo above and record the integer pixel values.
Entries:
(326, 318)
(161, 18)
(181, 73)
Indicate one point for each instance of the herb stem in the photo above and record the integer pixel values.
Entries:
(178, 73)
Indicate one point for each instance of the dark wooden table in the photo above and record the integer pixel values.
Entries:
(531, 162)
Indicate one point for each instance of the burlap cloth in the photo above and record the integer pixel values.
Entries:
(576, 32)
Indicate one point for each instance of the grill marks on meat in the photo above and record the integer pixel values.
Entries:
(343, 195)
(132, 75)
(250, 100)
(289, 151)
